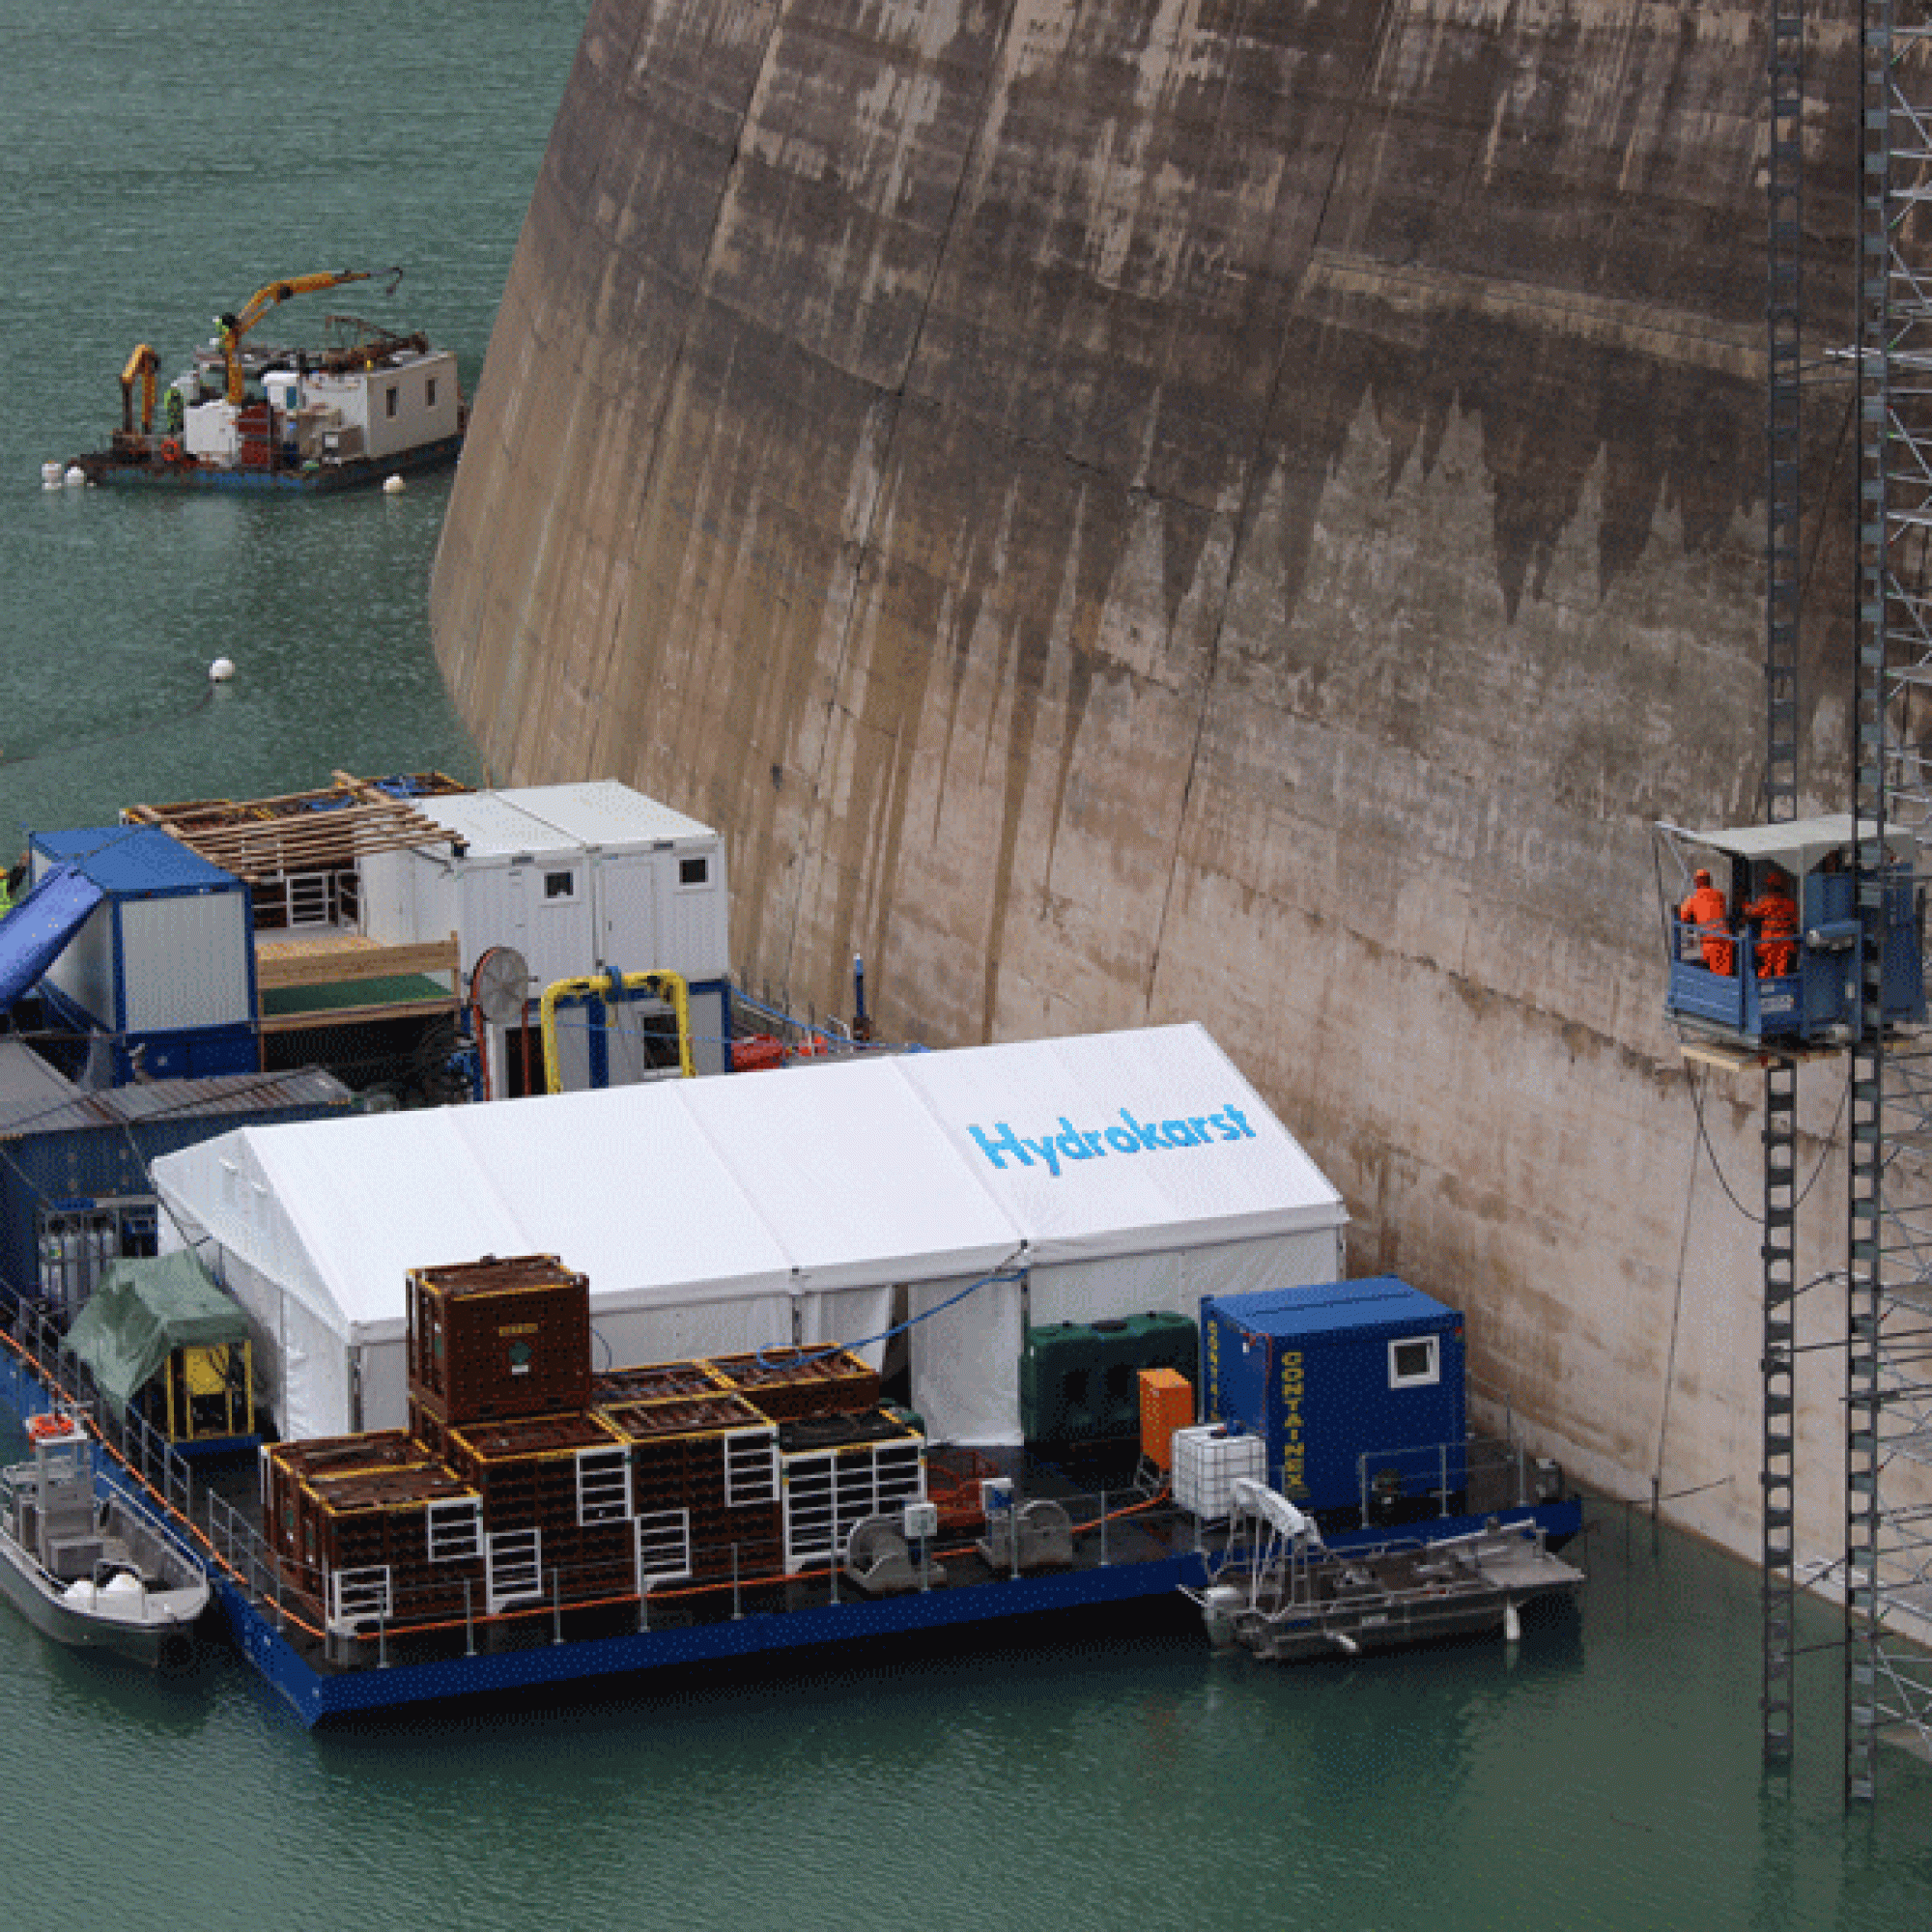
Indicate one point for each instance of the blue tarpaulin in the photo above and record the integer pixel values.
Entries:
(34, 934)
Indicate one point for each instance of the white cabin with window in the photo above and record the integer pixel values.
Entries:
(398, 405)
(578, 879)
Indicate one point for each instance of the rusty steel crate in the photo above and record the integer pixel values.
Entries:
(790, 1383)
(427, 1430)
(585, 1562)
(287, 1465)
(491, 1340)
(376, 1525)
(713, 1459)
(531, 1471)
(654, 1382)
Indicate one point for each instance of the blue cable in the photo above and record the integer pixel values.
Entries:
(832, 1348)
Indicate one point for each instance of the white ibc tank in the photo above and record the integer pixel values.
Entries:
(1207, 1461)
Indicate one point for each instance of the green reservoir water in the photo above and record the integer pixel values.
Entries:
(162, 162)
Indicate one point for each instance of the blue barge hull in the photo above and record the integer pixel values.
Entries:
(111, 472)
(316, 1695)
(1150, 1553)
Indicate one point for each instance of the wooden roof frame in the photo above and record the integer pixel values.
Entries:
(323, 830)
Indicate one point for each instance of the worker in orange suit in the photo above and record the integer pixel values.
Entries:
(1776, 914)
(1706, 914)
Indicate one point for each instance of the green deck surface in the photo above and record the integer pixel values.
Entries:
(339, 995)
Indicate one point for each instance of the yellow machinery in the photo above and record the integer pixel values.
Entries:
(141, 368)
(667, 986)
(209, 1393)
(234, 327)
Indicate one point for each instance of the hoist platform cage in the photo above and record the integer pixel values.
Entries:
(1726, 978)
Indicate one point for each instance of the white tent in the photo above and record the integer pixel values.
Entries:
(1051, 1181)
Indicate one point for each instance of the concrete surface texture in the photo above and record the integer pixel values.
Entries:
(1137, 510)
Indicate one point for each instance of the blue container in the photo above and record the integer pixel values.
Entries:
(1355, 1386)
(164, 971)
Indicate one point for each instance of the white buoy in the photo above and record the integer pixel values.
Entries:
(222, 670)
(50, 475)
(75, 476)
(393, 487)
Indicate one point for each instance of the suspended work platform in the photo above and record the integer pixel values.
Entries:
(1764, 937)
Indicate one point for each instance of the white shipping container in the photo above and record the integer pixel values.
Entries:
(186, 961)
(169, 948)
(578, 878)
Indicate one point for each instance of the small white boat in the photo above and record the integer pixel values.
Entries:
(89, 1565)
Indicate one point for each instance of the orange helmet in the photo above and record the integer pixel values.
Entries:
(1701, 878)
(1774, 877)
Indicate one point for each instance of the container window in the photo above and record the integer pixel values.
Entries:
(1415, 1360)
(429, 393)
(693, 872)
(559, 885)
(389, 400)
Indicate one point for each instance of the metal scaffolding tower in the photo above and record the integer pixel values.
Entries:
(1785, 245)
(1888, 1421)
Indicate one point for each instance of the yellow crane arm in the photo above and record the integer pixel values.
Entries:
(234, 327)
(141, 368)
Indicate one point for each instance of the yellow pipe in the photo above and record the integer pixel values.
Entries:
(664, 985)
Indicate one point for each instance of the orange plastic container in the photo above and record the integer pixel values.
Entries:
(1167, 1403)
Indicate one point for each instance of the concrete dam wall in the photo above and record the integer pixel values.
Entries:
(1126, 510)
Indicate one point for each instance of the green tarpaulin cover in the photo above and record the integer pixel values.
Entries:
(142, 1312)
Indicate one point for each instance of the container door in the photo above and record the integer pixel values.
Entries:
(693, 926)
(186, 961)
(626, 912)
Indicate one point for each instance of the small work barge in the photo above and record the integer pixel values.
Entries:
(538, 1523)
(1281, 1592)
(364, 404)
